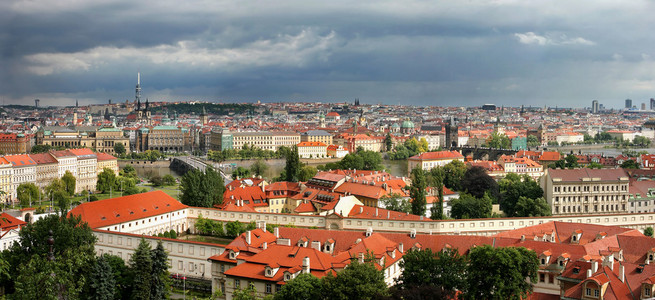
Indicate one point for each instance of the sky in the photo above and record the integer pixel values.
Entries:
(442, 53)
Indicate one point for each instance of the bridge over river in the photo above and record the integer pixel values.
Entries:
(183, 164)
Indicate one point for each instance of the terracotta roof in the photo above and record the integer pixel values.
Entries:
(8, 222)
(43, 158)
(311, 144)
(438, 155)
(20, 160)
(127, 208)
(305, 207)
(576, 175)
(105, 156)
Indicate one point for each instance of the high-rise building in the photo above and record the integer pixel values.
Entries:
(643, 106)
(652, 103)
(628, 103)
(594, 106)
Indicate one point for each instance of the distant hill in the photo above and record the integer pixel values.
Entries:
(211, 108)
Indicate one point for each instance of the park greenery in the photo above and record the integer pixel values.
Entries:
(359, 160)
(75, 272)
(408, 149)
(498, 141)
(247, 152)
(202, 189)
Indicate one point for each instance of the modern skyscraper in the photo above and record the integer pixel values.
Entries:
(643, 106)
(594, 106)
(652, 103)
(628, 103)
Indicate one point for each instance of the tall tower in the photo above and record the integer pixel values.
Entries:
(594, 106)
(452, 133)
(138, 91)
(203, 117)
(36, 103)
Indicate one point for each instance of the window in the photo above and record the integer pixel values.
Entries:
(268, 288)
(542, 277)
(647, 291)
(596, 293)
(222, 268)
(588, 292)
(237, 283)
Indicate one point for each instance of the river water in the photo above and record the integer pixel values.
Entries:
(275, 167)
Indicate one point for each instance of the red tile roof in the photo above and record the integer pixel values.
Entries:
(43, 158)
(8, 222)
(127, 208)
(438, 155)
(20, 160)
(105, 156)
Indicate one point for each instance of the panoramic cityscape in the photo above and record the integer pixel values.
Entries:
(286, 150)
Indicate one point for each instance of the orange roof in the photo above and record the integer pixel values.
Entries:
(43, 158)
(312, 144)
(20, 160)
(7, 222)
(438, 155)
(105, 156)
(127, 208)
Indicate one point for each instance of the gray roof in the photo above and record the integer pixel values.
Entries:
(317, 133)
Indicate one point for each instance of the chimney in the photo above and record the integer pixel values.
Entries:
(305, 265)
(589, 273)
(400, 248)
(388, 214)
(248, 237)
(316, 245)
(263, 188)
(622, 273)
(369, 231)
(276, 231)
(376, 211)
(263, 225)
(594, 266)
(361, 209)
(361, 257)
(265, 246)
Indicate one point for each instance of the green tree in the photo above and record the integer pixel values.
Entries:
(499, 141)
(292, 166)
(247, 293)
(528, 207)
(122, 275)
(240, 172)
(62, 201)
(304, 286)
(357, 281)
(594, 165)
(234, 229)
(417, 192)
(69, 183)
(470, 207)
(259, 167)
(306, 173)
(28, 193)
(102, 280)
(453, 174)
(128, 171)
(202, 189)
(119, 149)
(106, 180)
(512, 188)
(532, 141)
(388, 142)
(54, 185)
(141, 266)
(157, 180)
(168, 180)
(445, 269)
(501, 273)
(73, 250)
(630, 164)
(396, 202)
(648, 231)
(571, 161)
(160, 277)
(40, 149)
(477, 183)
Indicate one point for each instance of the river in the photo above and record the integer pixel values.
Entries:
(146, 169)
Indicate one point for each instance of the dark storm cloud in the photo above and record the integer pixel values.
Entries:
(422, 52)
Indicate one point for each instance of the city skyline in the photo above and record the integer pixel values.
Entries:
(410, 52)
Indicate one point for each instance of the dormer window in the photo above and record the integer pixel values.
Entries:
(543, 261)
(574, 238)
(287, 277)
(269, 272)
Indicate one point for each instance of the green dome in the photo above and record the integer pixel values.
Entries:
(395, 125)
(407, 124)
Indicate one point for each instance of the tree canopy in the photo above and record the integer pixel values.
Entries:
(477, 182)
(444, 269)
(357, 281)
(512, 188)
(501, 273)
(304, 286)
(470, 207)
(202, 189)
(417, 192)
